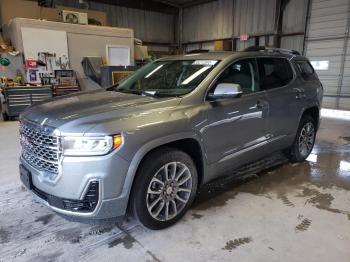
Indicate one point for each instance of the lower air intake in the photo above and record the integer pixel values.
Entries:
(86, 205)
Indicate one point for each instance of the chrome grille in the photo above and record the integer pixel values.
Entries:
(40, 149)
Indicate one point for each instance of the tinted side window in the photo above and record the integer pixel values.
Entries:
(244, 73)
(274, 72)
(306, 70)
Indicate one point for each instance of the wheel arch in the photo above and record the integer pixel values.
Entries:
(187, 142)
(314, 112)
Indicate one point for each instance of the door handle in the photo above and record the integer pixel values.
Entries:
(300, 93)
(260, 104)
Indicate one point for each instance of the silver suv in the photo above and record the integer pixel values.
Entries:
(147, 144)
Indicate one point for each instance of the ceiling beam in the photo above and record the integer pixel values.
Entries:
(196, 2)
(150, 5)
(169, 3)
(163, 6)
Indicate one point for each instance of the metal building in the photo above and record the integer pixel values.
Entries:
(327, 46)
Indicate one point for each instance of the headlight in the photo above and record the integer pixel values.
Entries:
(90, 146)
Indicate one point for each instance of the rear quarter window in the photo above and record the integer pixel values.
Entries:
(306, 70)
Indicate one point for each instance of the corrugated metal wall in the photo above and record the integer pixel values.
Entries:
(148, 26)
(227, 18)
(328, 18)
(241, 45)
(209, 21)
(294, 19)
(294, 16)
(327, 40)
(254, 17)
(293, 42)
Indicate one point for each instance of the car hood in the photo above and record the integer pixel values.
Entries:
(79, 112)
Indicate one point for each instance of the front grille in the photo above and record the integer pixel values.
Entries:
(39, 148)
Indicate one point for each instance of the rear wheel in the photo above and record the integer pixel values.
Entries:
(304, 140)
(165, 188)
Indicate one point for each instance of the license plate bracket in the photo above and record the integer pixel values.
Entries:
(26, 177)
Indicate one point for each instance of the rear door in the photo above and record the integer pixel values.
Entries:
(278, 79)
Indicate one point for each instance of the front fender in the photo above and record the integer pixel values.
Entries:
(146, 148)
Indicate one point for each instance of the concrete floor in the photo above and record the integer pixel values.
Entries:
(286, 213)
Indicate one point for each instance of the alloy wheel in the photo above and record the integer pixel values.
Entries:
(306, 139)
(169, 191)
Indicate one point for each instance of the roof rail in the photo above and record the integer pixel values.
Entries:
(270, 49)
(198, 51)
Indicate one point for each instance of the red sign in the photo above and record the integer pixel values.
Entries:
(244, 37)
(31, 63)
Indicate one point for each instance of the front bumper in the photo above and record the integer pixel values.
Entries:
(69, 194)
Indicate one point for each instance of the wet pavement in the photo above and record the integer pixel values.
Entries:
(275, 211)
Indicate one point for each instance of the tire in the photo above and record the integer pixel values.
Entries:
(304, 140)
(151, 198)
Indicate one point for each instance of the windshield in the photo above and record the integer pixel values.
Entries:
(167, 78)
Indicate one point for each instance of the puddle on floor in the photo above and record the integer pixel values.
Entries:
(326, 167)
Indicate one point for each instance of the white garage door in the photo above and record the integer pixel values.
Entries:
(328, 48)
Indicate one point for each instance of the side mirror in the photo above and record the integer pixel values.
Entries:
(226, 90)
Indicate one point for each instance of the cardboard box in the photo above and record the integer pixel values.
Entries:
(5, 45)
(54, 14)
(223, 45)
(18, 8)
(218, 45)
(29, 9)
(141, 52)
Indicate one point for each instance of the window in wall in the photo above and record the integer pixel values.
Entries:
(274, 72)
(320, 65)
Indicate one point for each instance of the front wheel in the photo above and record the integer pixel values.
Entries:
(165, 188)
(304, 140)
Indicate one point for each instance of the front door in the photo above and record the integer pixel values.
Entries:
(236, 126)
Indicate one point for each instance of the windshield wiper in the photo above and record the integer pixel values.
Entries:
(157, 94)
(143, 92)
(128, 91)
(112, 87)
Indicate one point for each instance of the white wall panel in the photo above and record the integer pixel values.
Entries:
(330, 50)
(345, 90)
(344, 102)
(326, 41)
(328, 18)
(293, 42)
